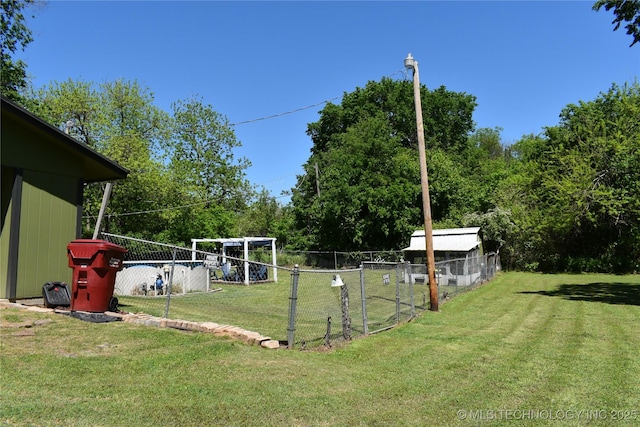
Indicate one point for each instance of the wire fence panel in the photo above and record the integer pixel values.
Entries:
(460, 275)
(304, 308)
(387, 294)
(329, 307)
(202, 290)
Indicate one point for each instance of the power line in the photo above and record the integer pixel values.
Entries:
(155, 210)
(285, 113)
(236, 124)
(402, 72)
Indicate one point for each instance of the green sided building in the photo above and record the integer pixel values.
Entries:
(43, 175)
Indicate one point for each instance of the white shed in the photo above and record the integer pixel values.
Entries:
(461, 246)
(449, 243)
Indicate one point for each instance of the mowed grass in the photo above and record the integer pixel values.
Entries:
(264, 307)
(526, 349)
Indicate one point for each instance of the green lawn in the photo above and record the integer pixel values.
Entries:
(518, 350)
(264, 307)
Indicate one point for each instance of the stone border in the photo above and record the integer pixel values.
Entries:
(251, 338)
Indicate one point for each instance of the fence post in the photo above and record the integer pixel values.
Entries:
(413, 303)
(363, 294)
(292, 307)
(173, 266)
(346, 320)
(397, 300)
(327, 337)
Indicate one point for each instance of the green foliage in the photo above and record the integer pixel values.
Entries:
(72, 106)
(366, 193)
(183, 181)
(625, 11)
(453, 191)
(208, 182)
(202, 157)
(496, 225)
(574, 194)
(14, 36)
(364, 182)
(260, 217)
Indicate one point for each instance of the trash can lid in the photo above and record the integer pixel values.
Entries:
(92, 245)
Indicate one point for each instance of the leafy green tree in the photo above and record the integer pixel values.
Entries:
(574, 195)
(485, 145)
(487, 165)
(365, 182)
(265, 216)
(496, 225)
(203, 165)
(117, 119)
(130, 131)
(361, 188)
(184, 181)
(447, 115)
(72, 106)
(14, 36)
(202, 156)
(284, 228)
(260, 217)
(625, 11)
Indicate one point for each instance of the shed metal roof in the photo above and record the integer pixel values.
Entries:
(447, 240)
(93, 167)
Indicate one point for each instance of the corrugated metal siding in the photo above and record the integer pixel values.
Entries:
(48, 224)
(447, 240)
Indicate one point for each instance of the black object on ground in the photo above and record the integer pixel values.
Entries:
(94, 317)
(56, 294)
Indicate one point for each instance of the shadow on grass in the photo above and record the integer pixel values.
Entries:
(609, 293)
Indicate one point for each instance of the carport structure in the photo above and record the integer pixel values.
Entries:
(245, 243)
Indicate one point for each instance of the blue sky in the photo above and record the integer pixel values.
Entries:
(524, 61)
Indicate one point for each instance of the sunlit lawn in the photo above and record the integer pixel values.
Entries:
(513, 351)
(265, 307)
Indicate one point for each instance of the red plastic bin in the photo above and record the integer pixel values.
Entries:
(95, 264)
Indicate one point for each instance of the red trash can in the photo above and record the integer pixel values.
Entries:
(95, 264)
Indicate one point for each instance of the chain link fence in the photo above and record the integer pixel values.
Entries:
(303, 308)
(338, 260)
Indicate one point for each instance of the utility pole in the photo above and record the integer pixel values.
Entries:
(412, 64)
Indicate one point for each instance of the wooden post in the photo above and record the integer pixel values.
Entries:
(327, 337)
(409, 62)
(346, 320)
(103, 207)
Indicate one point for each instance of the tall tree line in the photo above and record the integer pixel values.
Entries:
(184, 179)
(564, 200)
(574, 191)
